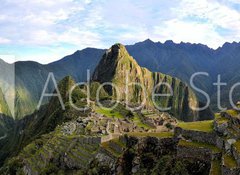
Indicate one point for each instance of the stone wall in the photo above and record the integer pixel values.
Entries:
(229, 171)
(206, 137)
(202, 154)
(90, 140)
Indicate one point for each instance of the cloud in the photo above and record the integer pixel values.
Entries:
(188, 31)
(218, 16)
(35, 22)
(4, 40)
(68, 25)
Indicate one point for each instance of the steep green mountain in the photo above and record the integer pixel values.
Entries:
(4, 109)
(117, 66)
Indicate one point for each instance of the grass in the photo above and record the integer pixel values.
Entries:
(215, 167)
(217, 115)
(118, 142)
(109, 113)
(89, 126)
(221, 120)
(151, 134)
(107, 147)
(204, 126)
(232, 112)
(229, 161)
(139, 123)
(213, 148)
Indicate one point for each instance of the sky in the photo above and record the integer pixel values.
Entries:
(47, 30)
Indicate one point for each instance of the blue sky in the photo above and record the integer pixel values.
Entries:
(45, 31)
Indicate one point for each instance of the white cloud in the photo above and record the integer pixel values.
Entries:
(35, 22)
(235, 1)
(188, 31)
(4, 40)
(214, 13)
(99, 23)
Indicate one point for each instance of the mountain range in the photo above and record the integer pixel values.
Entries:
(178, 60)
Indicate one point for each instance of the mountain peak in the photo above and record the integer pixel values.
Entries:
(116, 56)
(169, 42)
(148, 41)
(117, 50)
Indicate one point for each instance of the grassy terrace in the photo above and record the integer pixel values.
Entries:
(229, 161)
(213, 148)
(106, 146)
(232, 112)
(109, 113)
(215, 167)
(136, 119)
(118, 142)
(204, 126)
(151, 134)
(221, 120)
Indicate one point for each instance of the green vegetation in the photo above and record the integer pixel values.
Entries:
(151, 134)
(221, 120)
(107, 146)
(229, 161)
(199, 145)
(118, 142)
(109, 113)
(138, 119)
(204, 126)
(215, 167)
(217, 115)
(232, 112)
(4, 109)
(93, 91)
(119, 112)
(167, 165)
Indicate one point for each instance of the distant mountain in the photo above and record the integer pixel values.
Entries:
(31, 76)
(178, 60)
(184, 59)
